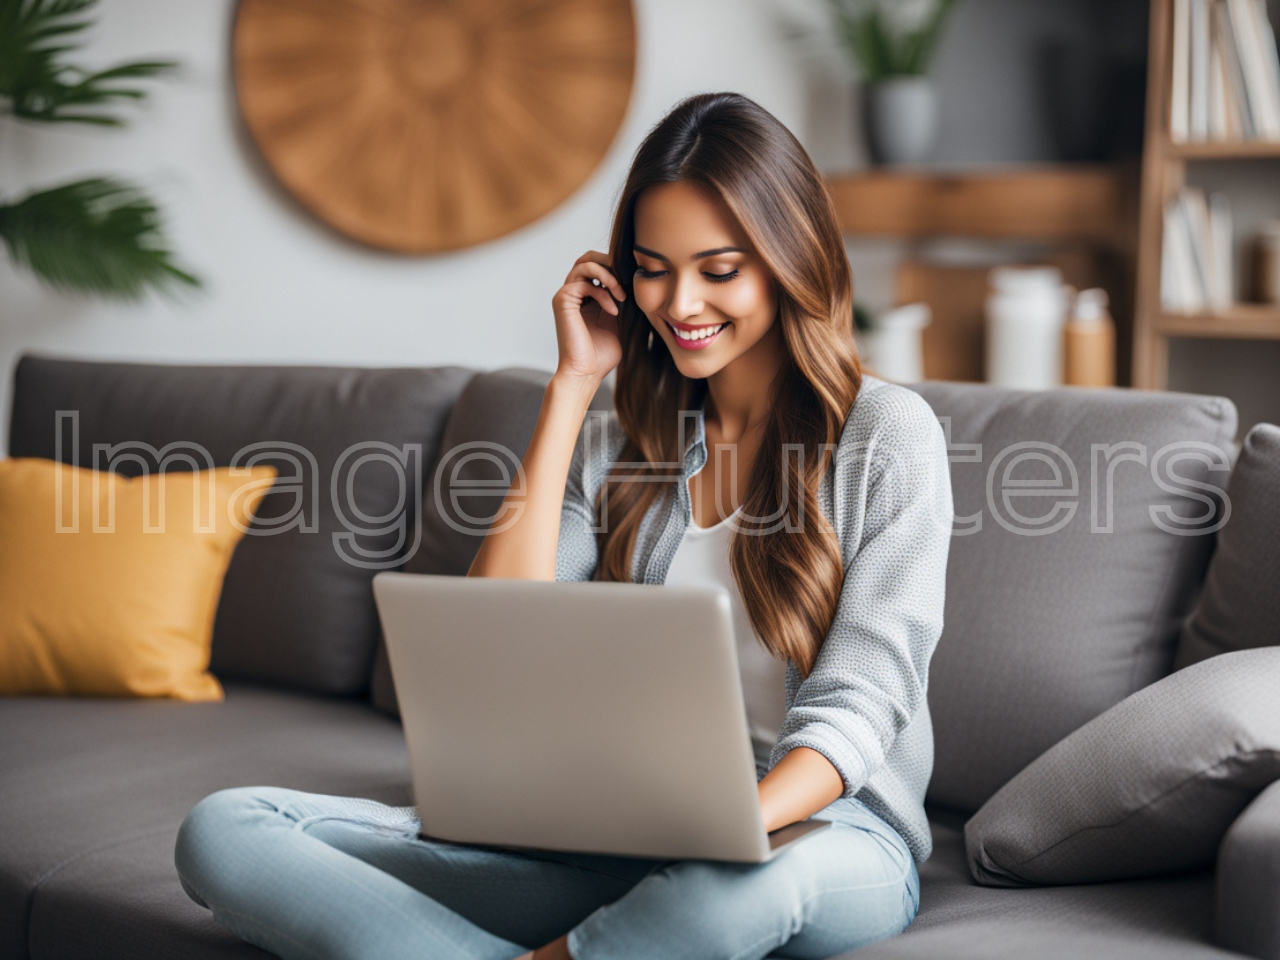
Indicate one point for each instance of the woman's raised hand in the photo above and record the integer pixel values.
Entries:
(587, 319)
(525, 548)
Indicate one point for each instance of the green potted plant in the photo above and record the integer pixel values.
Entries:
(892, 43)
(100, 235)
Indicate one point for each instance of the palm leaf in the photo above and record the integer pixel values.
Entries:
(919, 46)
(38, 85)
(878, 51)
(856, 31)
(882, 41)
(93, 236)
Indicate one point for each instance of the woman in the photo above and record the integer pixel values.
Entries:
(819, 498)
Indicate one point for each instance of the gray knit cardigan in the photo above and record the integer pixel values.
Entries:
(888, 497)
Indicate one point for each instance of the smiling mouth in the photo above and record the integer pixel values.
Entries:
(698, 339)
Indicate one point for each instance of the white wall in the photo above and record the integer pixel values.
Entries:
(281, 287)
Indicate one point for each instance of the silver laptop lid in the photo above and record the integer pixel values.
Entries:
(595, 717)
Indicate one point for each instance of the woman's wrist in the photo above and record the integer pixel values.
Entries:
(581, 390)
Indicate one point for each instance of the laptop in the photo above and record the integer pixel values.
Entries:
(588, 717)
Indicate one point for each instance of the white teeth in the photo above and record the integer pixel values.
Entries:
(700, 334)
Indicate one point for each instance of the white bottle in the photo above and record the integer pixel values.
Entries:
(1026, 311)
(894, 345)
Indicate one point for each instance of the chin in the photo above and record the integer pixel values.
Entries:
(698, 370)
(697, 365)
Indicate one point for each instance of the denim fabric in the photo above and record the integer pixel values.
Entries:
(305, 875)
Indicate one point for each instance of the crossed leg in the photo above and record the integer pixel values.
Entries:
(312, 876)
(307, 875)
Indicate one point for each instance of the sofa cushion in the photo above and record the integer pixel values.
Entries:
(1169, 918)
(1147, 788)
(1248, 879)
(1063, 598)
(296, 606)
(1239, 607)
(484, 441)
(94, 790)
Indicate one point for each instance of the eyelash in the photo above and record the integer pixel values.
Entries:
(711, 277)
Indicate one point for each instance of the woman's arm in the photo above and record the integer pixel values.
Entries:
(526, 549)
(586, 332)
(799, 785)
(870, 677)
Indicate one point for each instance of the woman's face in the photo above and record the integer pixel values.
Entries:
(700, 282)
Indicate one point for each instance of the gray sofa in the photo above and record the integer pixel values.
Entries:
(1044, 634)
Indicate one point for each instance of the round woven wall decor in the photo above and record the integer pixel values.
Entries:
(430, 125)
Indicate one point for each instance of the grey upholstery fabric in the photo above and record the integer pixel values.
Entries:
(1154, 919)
(1240, 604)
(1044, 632)
(484, 441)
(293, 611)
(94, 790)
(1147, 788)
(1247, 900)
(487, 433)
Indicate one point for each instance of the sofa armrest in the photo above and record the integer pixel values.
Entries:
(1247, 899)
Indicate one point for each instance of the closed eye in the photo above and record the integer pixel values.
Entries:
(712, 277)
(721, 277)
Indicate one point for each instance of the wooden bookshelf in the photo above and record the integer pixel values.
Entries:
(1060, 203)
(1249, 321)
(1164, 172)
(1083, 217)
(1219, 150)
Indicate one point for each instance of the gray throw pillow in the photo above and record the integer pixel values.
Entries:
(1149, 787)
(1239, 607)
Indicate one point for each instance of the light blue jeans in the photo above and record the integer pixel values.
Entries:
(305, 875)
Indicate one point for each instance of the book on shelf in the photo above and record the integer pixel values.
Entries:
(1199, 63)
(1226, 72)
(1197, 260)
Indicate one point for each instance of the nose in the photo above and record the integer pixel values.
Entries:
(685, 301)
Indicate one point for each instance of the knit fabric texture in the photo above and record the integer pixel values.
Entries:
(887, 494)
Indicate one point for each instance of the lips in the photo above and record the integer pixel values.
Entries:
(682, 331)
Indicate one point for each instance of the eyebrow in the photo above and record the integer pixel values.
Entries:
(697, 256)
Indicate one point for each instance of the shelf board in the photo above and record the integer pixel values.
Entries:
(1251, 321)
(1224, 150)
(1053, 203)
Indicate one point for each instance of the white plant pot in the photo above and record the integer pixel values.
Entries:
(901, 119)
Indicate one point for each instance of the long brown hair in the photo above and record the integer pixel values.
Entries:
(789, 584)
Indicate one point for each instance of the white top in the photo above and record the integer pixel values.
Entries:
(702, 559)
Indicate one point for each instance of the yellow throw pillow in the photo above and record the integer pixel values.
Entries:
(109, 585)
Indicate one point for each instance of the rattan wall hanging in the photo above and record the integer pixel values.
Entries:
(430, 125)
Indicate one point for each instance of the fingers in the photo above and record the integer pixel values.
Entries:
(593, 265)
(593, 256)
(601, 296)
(607, 281)
(582, 289)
